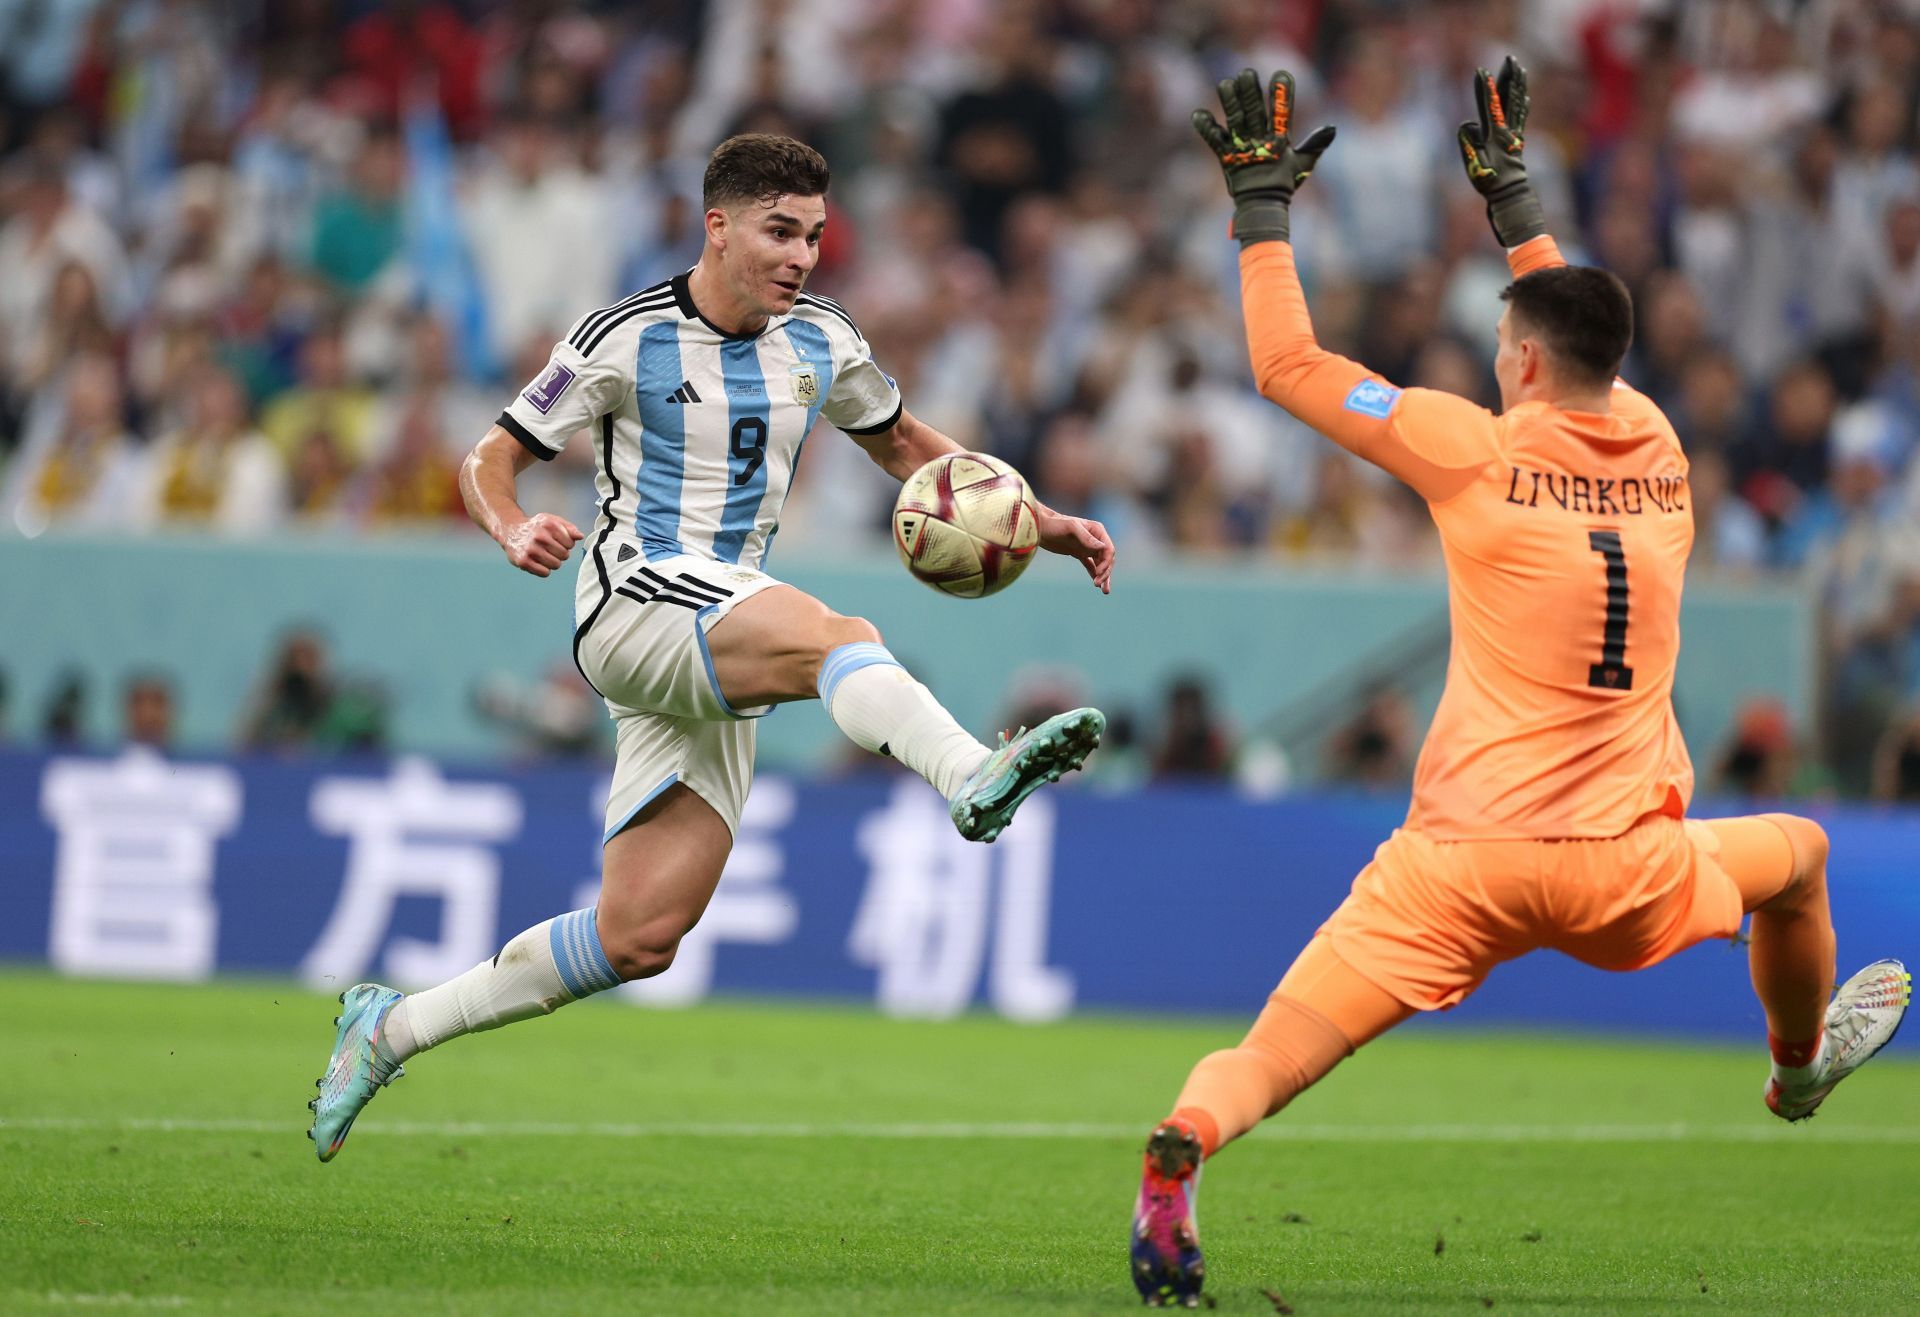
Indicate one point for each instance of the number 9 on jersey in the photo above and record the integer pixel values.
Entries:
(965, 524)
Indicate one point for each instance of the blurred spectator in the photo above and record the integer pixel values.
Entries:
(49, 229)
(1798, 263)
(1760, 760)
(73, 325)
(1896, 760)
(1375, 748)
(1711, 412)
(558, 716)
(1789, 453)
(78, 466)
(537, 225)
(294, 697)
(1727, 532)
(1005, 135)
(216, 471)
(64, 722)
(1193, 742)
(356, 228)
(404, 46)
(418, 482)
(147, 711)
(325, 402)
(1382, 181)
(356, 718)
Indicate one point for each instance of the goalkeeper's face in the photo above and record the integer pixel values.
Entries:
(768, 248)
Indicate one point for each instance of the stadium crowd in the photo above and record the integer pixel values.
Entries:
(274, 265)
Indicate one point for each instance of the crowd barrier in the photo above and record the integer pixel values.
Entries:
(1185, 901)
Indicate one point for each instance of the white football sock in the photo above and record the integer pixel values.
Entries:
(536, 973)
(1800, 1076)
(878, 704)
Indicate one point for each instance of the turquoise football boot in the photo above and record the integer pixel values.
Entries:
(986, 801)
(355, 1071)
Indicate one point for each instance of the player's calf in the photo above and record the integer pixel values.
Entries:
(646, 949)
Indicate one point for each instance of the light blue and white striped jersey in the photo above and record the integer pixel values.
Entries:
(697, 430)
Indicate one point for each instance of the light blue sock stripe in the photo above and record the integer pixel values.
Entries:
(602, 967)
(845, 660)
(586, 952)
(577, 954)
(557, 933)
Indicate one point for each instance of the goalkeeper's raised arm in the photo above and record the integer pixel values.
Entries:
(1351, 405)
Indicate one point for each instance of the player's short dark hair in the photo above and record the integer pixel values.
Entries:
(760, 167)
(1584, 315)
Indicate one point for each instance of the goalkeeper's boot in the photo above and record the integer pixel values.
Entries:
(1167, 1267)
(356, 1070)
(1862, 1019)
(985, 803)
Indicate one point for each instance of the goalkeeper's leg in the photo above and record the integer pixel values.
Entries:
(1322, 1010)
(1779, 862)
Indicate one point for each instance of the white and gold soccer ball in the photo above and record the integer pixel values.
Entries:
(965, 524)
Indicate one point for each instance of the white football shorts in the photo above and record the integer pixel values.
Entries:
(641, 639)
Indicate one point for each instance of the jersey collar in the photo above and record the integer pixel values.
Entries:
(683, 298)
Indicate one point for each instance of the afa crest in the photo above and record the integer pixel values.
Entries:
(806, 383)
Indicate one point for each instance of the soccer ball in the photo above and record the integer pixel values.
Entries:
(965, 524)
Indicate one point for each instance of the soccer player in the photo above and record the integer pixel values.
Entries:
(699, 392)
(1550, 798)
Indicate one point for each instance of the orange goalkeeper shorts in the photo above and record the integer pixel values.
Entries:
(1427, 919)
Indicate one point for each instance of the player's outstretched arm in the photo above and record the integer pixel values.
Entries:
(911, 443)
(1493, 146)
(536, 544)
(1340, 398)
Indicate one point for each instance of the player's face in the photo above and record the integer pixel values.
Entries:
(772, 246)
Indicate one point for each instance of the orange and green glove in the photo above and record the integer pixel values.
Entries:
(1262, 164)
(1494, 149)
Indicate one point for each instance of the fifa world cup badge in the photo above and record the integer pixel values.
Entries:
(806, 383)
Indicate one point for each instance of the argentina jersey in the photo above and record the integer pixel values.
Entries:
(696, 430)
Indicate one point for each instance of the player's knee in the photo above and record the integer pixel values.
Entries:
(853, 631)
(1810, 850)
(644, 950)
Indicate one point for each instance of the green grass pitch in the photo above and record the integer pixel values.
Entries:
(749, 1158)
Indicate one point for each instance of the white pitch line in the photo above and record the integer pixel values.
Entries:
(1679, 1132)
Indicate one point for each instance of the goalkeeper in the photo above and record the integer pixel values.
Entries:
(1549, 803)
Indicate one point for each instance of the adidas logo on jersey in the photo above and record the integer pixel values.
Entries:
(684, 393)
(627, 553)
(648, 586)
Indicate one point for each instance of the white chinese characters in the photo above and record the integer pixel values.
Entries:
(412, 834)
(133, 881)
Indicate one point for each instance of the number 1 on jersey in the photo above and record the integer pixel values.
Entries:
(1612, 672)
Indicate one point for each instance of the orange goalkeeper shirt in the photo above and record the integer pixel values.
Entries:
(1566, 537)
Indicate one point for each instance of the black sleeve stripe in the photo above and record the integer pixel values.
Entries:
(525, 436)
(593, 319)
(833, 307)
(887, 424)
(607, 327)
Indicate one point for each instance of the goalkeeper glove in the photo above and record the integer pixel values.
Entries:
(1263, 167)
(1493, 149)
